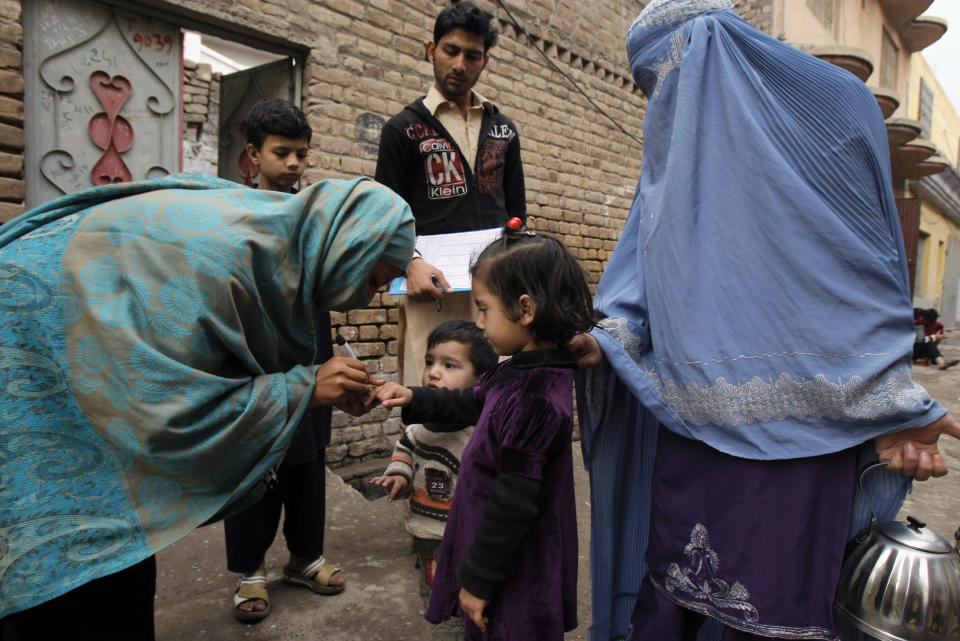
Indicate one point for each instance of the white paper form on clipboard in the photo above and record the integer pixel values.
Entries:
(451, 254)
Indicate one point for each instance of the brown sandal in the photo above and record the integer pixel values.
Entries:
(251, 588)
(315, 576)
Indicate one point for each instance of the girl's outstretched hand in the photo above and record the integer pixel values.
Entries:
(389, 395)
(473, 607)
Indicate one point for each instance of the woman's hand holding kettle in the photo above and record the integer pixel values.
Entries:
(914, 452)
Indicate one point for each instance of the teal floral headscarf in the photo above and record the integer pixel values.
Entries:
(155, 358)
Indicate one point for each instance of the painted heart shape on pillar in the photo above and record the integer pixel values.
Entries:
(110, 131)
(103, 130)
(111, 92)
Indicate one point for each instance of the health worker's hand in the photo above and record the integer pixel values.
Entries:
(340, 381)
(353, 403)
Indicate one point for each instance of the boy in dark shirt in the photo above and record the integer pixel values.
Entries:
(278, 138)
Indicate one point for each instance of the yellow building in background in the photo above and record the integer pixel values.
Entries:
(880, 41)
(937, 279)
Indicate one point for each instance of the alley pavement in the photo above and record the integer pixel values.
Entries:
(367, 540)
(937, 501)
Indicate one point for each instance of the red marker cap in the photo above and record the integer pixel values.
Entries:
(514, 223)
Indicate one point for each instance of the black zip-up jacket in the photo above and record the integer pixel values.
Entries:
(420, 161)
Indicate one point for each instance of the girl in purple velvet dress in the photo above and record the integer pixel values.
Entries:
(508, 561)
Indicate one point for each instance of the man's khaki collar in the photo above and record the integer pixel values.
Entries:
(434, 99)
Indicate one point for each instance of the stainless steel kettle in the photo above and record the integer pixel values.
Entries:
(899, 582)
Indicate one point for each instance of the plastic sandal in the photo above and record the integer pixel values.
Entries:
(251, 588)
(315, 576)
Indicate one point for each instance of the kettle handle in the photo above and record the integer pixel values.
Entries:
(866, 497)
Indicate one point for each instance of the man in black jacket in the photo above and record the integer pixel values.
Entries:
(455, 158)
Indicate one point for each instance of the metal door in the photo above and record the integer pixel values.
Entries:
(238, 92)
(949, 311)
(102, 97)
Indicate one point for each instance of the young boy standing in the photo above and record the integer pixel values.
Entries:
(278, 138)
(424, 465)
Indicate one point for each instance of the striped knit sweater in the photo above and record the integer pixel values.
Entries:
(430, 461)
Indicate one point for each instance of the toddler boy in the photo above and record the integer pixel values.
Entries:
(457, 357)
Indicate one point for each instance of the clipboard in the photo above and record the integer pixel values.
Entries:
(452, 254)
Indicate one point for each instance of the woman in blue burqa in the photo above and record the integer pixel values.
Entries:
(156, 341)
(755, 340)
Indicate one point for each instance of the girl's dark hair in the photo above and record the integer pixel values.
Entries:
(931, 315)
(482, 356)
(273, 116)
(523, 262)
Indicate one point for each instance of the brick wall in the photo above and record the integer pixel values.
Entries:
(580, 170)
(364, 62)
(12, 188)
(201, 117)
(372, 333)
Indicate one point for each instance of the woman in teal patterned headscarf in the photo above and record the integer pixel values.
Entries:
(155, 358)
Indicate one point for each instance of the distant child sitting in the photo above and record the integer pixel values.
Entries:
(278, 137)
(508, 560)
(457, 356)
(927, 347)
